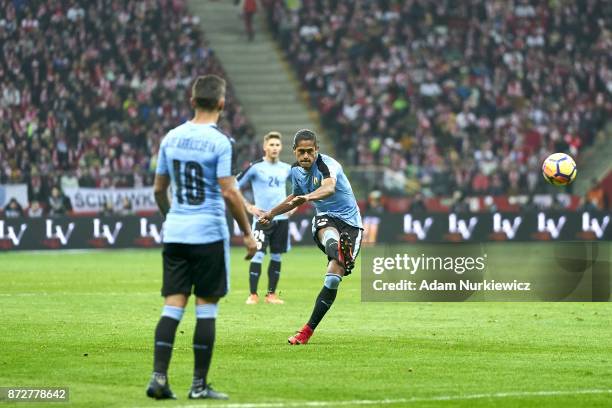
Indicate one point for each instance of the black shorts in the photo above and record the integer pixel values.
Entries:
(276, 235)
(201, 267)
(324, 221)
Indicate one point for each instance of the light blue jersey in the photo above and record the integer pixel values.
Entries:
(342, 203)
(268, 181)
(195, 156)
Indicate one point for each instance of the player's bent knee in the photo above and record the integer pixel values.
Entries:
(207, 311)
(173, 312)
(275, 257)
(258, 258)
(332, 281)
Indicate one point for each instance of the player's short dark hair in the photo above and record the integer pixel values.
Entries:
(272, 135)
(304, 134)
(207, 91)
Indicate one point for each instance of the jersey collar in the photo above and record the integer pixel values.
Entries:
(270, 162)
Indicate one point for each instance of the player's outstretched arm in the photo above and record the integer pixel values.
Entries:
(160, 191)
(282, 208)
(328, 188)
(234, 200)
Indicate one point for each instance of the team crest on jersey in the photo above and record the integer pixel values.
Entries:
(315, 181)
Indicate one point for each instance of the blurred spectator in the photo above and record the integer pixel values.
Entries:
(530, 205)
(459, 203)
(418, 204)
(35, 210)
(37, 189)
(374, 203)
(13, 209)
(489, 204)
(107, 209)
(68, 180)
(126, 207)
(249, 8)
(58, 203)
(472, 95)
(558, 203)
(394, 181)
(596, 197)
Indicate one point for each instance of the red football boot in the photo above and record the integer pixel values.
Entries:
(302, 336)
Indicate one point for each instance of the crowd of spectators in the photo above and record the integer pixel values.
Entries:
(450, 98)
(89, 87)
(453, 97)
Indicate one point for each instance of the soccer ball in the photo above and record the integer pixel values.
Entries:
(559, 169)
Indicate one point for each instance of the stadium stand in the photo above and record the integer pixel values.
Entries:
(452, 98)
(444, 105)
(90, 87)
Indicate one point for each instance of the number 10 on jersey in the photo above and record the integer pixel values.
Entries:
(189, 177)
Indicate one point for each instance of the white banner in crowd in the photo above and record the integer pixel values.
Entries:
(87, 200)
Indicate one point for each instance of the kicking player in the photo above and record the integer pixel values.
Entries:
(268, 178)
(337, 225)
(198, 160)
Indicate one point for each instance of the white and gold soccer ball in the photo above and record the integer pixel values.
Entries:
(559, 169)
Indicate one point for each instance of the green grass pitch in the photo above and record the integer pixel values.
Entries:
(85, 320)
